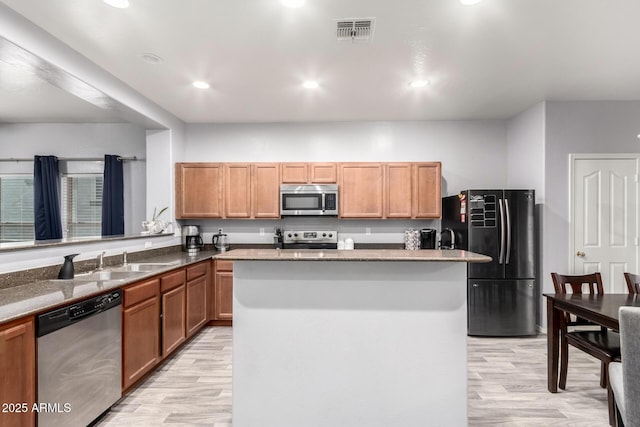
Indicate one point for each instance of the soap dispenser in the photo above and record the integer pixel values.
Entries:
(66, 272)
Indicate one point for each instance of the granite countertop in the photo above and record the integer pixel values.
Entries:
(40, 296)
(36, 297)
(429, 255)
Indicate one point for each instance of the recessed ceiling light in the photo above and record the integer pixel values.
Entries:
(120, 4)
(638, 135)
(470, 2)
(419, 83)
(310, 84)
(293, 4)
(201, 85)
(151, 58)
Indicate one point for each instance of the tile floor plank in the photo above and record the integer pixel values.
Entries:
(507, 386)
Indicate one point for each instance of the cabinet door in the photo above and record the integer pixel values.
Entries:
(224, 296)
(295, 173)
(17, 371)
(237, 179)
(427, 196)
(198, 190)
(323, 173)
(265, 190)
(141, 340)
(398, 178)
(361, 190)
(196, 304)
(173, 319)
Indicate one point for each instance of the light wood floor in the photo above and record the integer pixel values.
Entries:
(507, 387)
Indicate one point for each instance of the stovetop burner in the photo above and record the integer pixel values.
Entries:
(310, 239)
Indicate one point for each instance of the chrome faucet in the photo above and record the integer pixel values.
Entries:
(100, 261)
(124, 258)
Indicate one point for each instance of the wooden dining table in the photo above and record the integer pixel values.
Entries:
(600, 309)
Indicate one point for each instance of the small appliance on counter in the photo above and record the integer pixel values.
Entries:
(447, 239)
(427, 238)
(327, 239)
(191, 239)
(278, 238)
(220, 241)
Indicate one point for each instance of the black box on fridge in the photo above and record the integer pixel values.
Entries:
(501, 295)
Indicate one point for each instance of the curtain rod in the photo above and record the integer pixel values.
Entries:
(69, 159)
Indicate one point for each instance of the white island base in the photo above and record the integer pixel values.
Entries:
(349, 343)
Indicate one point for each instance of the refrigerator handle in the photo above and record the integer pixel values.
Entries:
(508, 216)
(501, 254)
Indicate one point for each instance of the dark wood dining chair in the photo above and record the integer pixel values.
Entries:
(633, 282)
(601, 343)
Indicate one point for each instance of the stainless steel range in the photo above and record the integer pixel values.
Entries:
(317, 239)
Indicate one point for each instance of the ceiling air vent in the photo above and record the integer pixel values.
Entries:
(355, 29)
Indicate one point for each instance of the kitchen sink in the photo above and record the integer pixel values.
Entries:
(105, 275)
(145, 266)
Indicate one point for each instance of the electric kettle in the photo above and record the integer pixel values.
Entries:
(220, 241)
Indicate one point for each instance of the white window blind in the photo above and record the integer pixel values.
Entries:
(16, 208)
(81, 199)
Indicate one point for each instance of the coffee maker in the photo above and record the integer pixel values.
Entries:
(427, 238)
(191, 240)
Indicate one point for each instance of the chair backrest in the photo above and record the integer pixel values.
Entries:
(633, 282)
(593, 282)
(630, 349)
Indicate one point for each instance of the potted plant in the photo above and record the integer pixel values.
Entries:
(155, 225)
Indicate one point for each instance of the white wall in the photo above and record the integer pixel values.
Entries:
(73, 140)
(473, 154)
(525, 154)
(578, 127)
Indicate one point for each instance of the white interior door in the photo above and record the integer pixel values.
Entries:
(605, 217)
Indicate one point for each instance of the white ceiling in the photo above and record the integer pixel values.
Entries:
(492, 60)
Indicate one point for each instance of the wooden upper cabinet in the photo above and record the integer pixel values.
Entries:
(265, 190)
(398, 177)
(17, 372)
(427, 190)
(323, 173)
(361, 190)
(295, 173)
(199, 190)
(237, 180)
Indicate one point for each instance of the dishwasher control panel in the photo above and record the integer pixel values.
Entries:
(65, 316)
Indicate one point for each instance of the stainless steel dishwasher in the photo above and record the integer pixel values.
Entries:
(79, 361)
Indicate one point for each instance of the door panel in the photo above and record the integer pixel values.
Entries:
(604, 219)
(520, 263)
(501, 307)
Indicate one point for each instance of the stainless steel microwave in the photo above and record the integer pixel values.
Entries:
(308, 199)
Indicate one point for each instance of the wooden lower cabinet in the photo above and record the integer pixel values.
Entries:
(141, 338)
(18, 372)
(223, 291)
(196, 304)
(173, 319)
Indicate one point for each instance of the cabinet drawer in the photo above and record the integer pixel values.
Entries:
(224, 265)
(171, 280)
(197, 270)
(141, 291)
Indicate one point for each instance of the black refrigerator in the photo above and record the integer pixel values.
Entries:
(501, 295)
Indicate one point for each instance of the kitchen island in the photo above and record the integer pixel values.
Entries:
(349, 338)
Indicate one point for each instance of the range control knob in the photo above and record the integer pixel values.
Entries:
(295, 234)
(330, 234)
(289, 235)
(325, 235)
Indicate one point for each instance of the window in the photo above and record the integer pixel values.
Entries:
(81, 200)
(16, 208)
